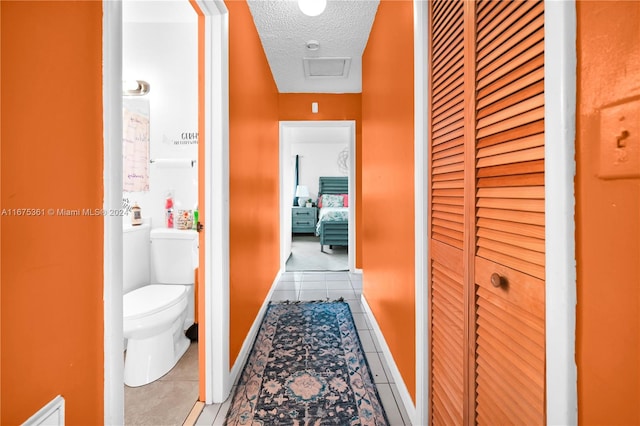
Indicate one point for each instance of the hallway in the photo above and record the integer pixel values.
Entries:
(307, 286)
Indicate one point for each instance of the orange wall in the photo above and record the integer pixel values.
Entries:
(607, 222)
(387, 181)
(253, 175)
(52, 266)
(297, 106)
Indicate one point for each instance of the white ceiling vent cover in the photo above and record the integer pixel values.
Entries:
(326, 67)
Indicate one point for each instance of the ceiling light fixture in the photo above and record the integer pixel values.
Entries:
(313, 45)
(312, 7)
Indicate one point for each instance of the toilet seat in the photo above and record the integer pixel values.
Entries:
(150, 299)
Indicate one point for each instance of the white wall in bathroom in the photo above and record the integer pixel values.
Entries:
(165, 55)
(319, 151)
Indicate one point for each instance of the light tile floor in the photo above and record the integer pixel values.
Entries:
(168, 400)
(330, 286)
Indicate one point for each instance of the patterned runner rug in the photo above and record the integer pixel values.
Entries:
(307, 367)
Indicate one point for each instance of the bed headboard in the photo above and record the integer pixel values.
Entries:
(333, 185)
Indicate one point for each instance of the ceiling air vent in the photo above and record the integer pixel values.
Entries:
(326, 67)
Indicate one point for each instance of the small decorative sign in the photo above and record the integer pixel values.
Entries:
(187, 138)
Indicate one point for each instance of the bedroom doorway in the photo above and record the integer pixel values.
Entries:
(336, 140)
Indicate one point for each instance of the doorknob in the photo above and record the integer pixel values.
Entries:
(497, 280)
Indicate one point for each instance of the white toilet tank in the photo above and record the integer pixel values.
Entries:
(135, 256)
(174, 255)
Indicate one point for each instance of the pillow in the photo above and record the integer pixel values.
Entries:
(332, 200)
(345, 200)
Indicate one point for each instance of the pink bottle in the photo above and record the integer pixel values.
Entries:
(168, 206)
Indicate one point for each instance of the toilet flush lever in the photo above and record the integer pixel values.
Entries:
(199, 227)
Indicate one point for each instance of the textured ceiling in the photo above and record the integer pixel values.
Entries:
(342, 31)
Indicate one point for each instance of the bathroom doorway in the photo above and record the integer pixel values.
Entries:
(212, 130)
(160, 174)
(301, 138)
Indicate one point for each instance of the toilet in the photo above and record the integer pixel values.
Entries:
(158, 272)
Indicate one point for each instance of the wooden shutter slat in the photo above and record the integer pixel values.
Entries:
(454, 159)
(512, 145)
(536, 166)
(448, 169)
(455, 144)
(447, 184)
(528, 243)
(516, 180)
(536, 127)
(448, 176)
(516, 121)
(523, 228)
(522, 205)
(521, 192)
(456, 135)
(448, 216)
(454, 226)
(449, 192)
(453, 150)
(447, 327)
(520, 253)
(447, 208)
(456, 235)
(522, 156)
(531, 218)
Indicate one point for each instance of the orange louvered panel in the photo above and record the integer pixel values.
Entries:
(510, 136)
(447, 335)
(447, 121)
(510, 350)
(446, 213)
(509, 267)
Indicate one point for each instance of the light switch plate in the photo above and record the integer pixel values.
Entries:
(620, 141)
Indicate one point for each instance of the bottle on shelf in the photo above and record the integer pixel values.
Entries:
(168, 208)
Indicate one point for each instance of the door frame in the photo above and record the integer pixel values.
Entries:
(560, 282)
(216, 109)
(285, 200)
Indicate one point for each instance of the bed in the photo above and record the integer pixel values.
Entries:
(333, 213)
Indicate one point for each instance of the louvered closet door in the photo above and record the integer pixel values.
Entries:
(447, 320)
(510, 245)
(486, 213)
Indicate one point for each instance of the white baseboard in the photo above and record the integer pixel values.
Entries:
(251, 336)
(391, 363)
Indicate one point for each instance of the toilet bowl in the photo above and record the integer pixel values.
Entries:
(158, 291)
(153, 316)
